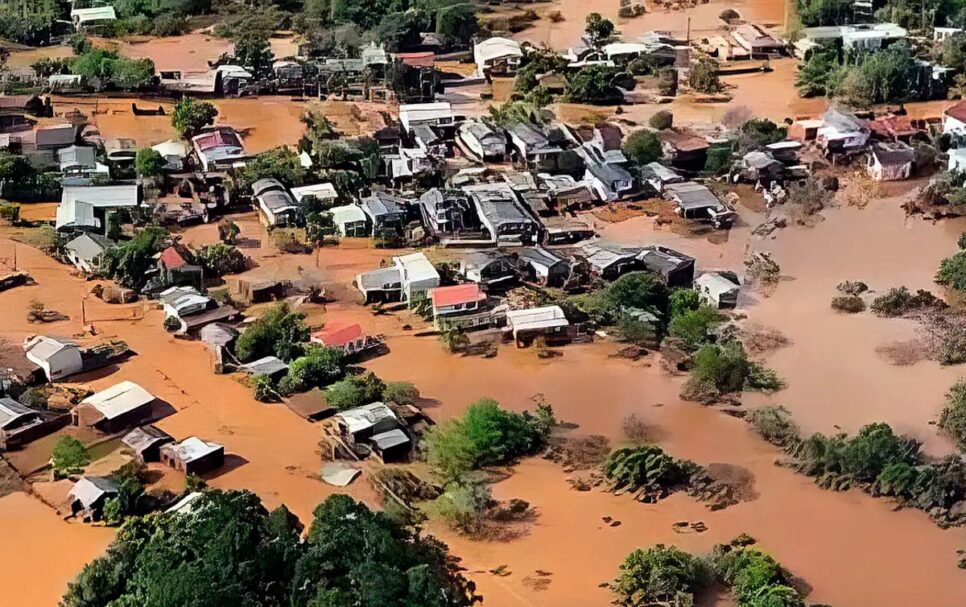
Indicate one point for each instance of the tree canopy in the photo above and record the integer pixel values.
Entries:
(190, 116)
(278, 332)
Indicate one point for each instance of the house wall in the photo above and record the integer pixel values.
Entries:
(953, 126)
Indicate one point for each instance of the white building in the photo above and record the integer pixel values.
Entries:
(57, 358)
(417, 274)
(87, 206)
(87, 250)
(717, 290)
(439, 113)
(497, 56)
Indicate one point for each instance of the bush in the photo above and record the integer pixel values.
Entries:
(647, 467)
(682, 301)
(638, 332)
(485, 435)
(719, 160)
(220, 259)
(401, 393)
(898, 301)
(69, 456)
(278, 332)
(726, 367)
(774, 423)
(190, 116)
(661, 120)
(662, 575)
(463, 505)
(10, 212)
(262, 389)
(694, 327)
(149, 163)
(642, 147)
(850, 304)
(319, 366)
(703, 77)
(355, 391)
(952, 271)
(952, 420)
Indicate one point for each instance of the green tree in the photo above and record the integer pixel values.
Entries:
(69, 456)
(642, 147)
(820, 75)
(149, 163)
(594, 84)
(280, 163)
(952, 420)
(253, 51)
(319, 366)
(952, 271)
(190, 116)
(278, 332)
(128, 263)
(703, 77)
(694, 327)
(355, 391)
(599, 30)
(662, 574)
(457, 23)
(682, 301)
(775, 424)
(219, 259)
(401, 393)
(662, 120)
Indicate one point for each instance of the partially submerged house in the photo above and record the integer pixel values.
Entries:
(531, 145)
(683, 149)
(90, 19)
(610, 263)
(483, 141)
(502, 215)
(78, 164)
(542, 266)
(758, 166)
(891, 161)
(193, 455)
(461, 307)
(659, 176)
(717, 289)
(87, 497)
(437, 114)
(20, 424)
(121, 406)
(756, 41)
(146, 442)
(270, 366)
(19, 112)
(448, 213)
(841, 132)
(675, 269)
(497, 56)
(219, 148)
(610, 180)
(174, 269)
(698, 203)
(175, 154)
(86, 252)
(417, 274)
(276, 204)
(87, 207)
(526, 325)
(58, 358)
(360, 423)
(385, 211)
(351, 220)
(488, 268)
(324, 193)
(220, 338)
(349, 338)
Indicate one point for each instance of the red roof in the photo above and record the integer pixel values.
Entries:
(422, 59)
(459, 294)
(216, 139)
(957, 111)
(893, 126)
(338, 334)
(172, 259)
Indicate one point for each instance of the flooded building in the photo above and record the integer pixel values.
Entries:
(351, 220)
(488, 268)
(20, 425)
(385, 211)
(219, 148)
(542, 266)
(502, 215)
(58, 358)
(193, 455)
(87, 207)
(483, 141)
(461, 307)
(121, 406)
(717, 289)
(86, 251)
(610, 263)
(527, 325)
(278, 207)
(497, 56)
(697, 202)
(448, 213)
(358, 424)
(349, 338)
(146, 442)
(891, 161)
(87, 497)
(675, 269)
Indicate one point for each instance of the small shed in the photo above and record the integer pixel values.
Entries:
(360, 423)
(675, 269)
(146, 442)
(58, 358)
(219, 338)
(121, 406)
(269, 365)
(193, 455)
(488, 268)
(717, 289)
(87, 496)
(391, 446)
(542, 266)
(891, 162)
(350, 220)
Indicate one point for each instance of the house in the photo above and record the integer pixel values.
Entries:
(428, 140)
(121, 406)
(87, 19)
(88, 495)
(391, 446)
(502, 215)
(698, 203)
(784, 151)
(278, 207)
(683, 149)
(57, 358)
(893, 128)
(360, 423)
(346, 337)
(87, 250)
(382, 285)
(146, 442)
(610, 263)
(351, 220)
(497, 56)
(566, 193)
(175, 154)
(448, 212)
(53, 137)
(488, 268)
(185, 505)
(87, 207)
(417, 274)
(717, 289)
(526, 325)
(758, 166)
(542, 266)
(805, 130)
(565, 230)
(385, 211)
(530, 145)
(324, 193)
(121, 150)
(410, 163)
(193, 455)
(219, 338)
(954, 120)
(841, 132)
(939, 34)
(270, 366)
(756, 41)
(675, 269)
(15, 419)
(438, 114)
(183, 301)
(609, 180)
(78, 161)
(18, 112)
(659, 176)
(174, 269)
(864, 36)
(891, 161)
(483, 141)
(460, 307)
(219, 148)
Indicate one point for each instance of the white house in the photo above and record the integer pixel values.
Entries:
(417, 274)
(276, 204)
(87, 206)
(350, 220)
(439, 113)
(323, 192)
(84, 18)
(548, 319)
(57, 358)
(183, 301)
(173, 152)
(86, 250)
(891, 162)
(497, 56)
(717, 290)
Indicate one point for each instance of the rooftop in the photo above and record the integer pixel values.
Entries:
(193, 448)
(338, 334)
(119, 399)
(457, 294)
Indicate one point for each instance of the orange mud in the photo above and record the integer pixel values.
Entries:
(190, 52)
(853, 549)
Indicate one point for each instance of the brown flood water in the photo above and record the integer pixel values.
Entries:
(835, 541)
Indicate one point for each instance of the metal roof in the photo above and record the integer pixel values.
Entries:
(322, 191)
(145, 437)
(11, 412)
(548, 317)
(88, 246)
(192, 449)
(119, 399)
(366, 417)
(270, 365)
(496, 48)
(416, 267)
(89, 489)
